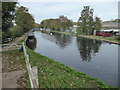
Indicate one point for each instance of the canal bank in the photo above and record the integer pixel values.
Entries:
(106, 39)
(52, 74)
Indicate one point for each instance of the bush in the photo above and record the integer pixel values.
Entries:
(117, 37)
(16, 31)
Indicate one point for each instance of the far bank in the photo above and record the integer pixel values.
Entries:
(106, 39)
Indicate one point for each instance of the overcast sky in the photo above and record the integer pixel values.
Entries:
(46, 10)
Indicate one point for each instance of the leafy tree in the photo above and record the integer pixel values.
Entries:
(61, 23)
(75, 23)
(0, 16)
(55, 24)
(8, 11)
(15, 31)
(23, 19)
(85, 22)
(97, 24)
(65, 22)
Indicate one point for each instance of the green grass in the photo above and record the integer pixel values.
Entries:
(52, 74)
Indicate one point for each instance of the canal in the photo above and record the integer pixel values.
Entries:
(95, 58)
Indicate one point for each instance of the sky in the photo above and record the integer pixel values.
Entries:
(45, 10)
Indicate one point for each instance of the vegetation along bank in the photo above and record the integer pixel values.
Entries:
(52, 74)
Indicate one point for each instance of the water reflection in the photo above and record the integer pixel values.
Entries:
(31, 43)
(62, 40)
(59, 39)
(87, 48)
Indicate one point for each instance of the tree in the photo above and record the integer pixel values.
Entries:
(85, 22)
(65, 22)
(61, 23)
(55, 24)
(8, 11)
(97, 24)
(23, 19)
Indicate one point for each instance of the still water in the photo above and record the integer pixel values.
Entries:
(95, 58)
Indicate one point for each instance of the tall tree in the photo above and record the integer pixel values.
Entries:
(8, 11)
(24, 19)
(85, 22)
(97, 24)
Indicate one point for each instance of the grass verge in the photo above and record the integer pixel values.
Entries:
(52, 74)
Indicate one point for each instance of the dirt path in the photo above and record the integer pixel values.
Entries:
(11, 79)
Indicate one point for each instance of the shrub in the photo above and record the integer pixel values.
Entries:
(16, 31)
(117, 37)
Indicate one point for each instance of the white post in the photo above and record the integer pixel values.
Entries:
(94, 32)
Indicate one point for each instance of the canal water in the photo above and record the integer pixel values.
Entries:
(95, 58)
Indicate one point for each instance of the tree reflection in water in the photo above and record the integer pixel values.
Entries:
(59, 39)
(62, 40)
(87, 48)
(31, 43)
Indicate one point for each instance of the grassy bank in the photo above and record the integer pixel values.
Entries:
(52, 74)
(107, 39)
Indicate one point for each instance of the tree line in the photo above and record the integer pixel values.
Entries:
(86, 23)
(61, 23)
(16, 20)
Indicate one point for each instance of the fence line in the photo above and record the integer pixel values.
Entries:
(32, 72)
